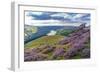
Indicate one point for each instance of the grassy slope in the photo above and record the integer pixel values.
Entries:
(50, 40)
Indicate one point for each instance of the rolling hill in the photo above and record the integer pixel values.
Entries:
(49, 40)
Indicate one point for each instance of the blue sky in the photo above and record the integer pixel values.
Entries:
(55, 17)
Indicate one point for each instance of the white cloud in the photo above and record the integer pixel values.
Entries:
(50, 23)
(78, 16)
(52, 32)
(30, 20)
(36, 13)
(64, 15)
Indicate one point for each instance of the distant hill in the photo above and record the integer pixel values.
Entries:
(29, 31)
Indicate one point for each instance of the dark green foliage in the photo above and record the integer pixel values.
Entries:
(64, 32)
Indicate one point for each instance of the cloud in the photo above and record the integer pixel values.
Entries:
(78, 16)
(82, 17)
(38, 18)
(35, 13)
(64, 15)
(86, 17)
(52, 32)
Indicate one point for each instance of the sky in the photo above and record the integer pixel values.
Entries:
(56, 18)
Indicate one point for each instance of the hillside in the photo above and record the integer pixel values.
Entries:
(49, 40)
(76, 45)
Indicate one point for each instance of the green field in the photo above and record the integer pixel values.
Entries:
(45, 40)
